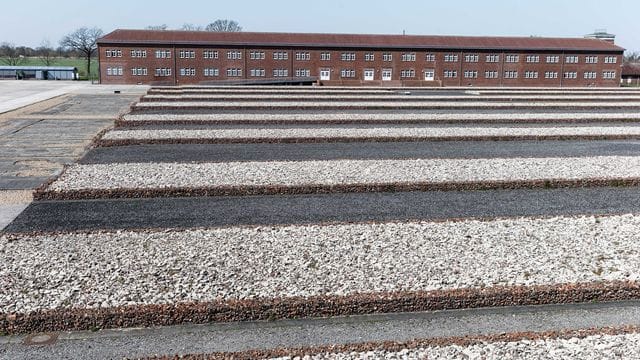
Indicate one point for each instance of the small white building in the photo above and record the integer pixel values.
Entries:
(39, 72)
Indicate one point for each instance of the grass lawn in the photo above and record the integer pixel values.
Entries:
(81, 64)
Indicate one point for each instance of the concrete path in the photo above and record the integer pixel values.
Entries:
(233, 337)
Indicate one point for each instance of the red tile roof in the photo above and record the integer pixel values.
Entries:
(631, 69)
(150, 37)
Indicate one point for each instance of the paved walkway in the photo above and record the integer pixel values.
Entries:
(233, 337)
(45, 125)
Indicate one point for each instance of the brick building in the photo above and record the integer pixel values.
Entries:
(182, 57)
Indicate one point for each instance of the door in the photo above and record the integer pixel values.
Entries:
(368, 74)
(386, 74)
(325, 74)
(429, 75)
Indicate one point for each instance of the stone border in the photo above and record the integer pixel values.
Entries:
(300, 140)
(245, 190)
(316, 306)
(399, 346)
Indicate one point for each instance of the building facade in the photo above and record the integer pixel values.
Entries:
(188, 58)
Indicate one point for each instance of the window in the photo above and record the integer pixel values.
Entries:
(610, 59)
(211, 72)
(408, 57)
(280, 72)
(348, 56)
(510, 74)
(113, 53)
(114, 71)
(187, 72)
(280, 55)
(325, 56)
(234, 72)
(303, 73)
(256, 55)
(302, 56)
(590, 75)
(450, 58)
(470, 74)
(209, 54)
(257, 73)
(187, 54)
(491, 74)
(138, 53)
(450, 74)
(387, 57)
(163, 54)
(471, 58)
(234, 55)
(408, 73)
(512, 58)
(591, 59)
(570, 75)
(493, 58)
(551, 75)
(430, 57)
(347, 73)
(369, 57)
(609, 75)
(572, 59)
(533, 58)
(530, 74)
(553, 59)
(163, 72)
(139, 71)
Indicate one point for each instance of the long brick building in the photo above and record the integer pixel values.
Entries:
(182, 58)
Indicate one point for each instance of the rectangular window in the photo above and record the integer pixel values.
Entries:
(257, 73)
(572, 59)
(234, 55)
(325, 56)
(209, 54)
(533, 58)
(369, 57)
(530, 74)
(590, 75)
(408, 57)
(570, 75)
(348, 56)
(430, 57)
(211, 72)
(450, 58)
(591, 59)
(493, 58)
(610, 59)
(408, 73)
(347, 73)
(471, 58)
(256, 55)
(302, 56)
(553, 59)
(609, 75)
(491, 74)
(510, 74)
(280, 55)
(551, 75)
(163, 54)
(512, 58)
(303, 73)
(470, 74)
(387, 57)
(450, 74)
(234, 72)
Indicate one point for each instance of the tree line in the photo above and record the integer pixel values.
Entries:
(82, 43)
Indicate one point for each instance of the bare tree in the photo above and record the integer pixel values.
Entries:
(46, 53)
(83, 40)
(11, 55)
(223, 25)
(191, 27)
(632, 56)
(158, 27)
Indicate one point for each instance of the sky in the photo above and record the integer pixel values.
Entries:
(37, 21)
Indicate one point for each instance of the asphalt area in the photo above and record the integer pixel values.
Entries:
(171, 256)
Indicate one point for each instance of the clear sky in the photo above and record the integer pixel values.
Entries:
(32, 22)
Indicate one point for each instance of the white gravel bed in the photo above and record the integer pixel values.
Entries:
(391, 96)
(128, 268)
(340, 116)
(594, 347)
(340, 172)
(411, 132)
(380, 104)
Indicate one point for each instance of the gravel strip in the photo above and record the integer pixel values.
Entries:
(388, 97)
(381, 117)
(381, 105)
(342, 172)
(603, 347)
(129, 268)
(376, 133)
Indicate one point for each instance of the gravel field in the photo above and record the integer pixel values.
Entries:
(381, 105)
(378, 133)
(381, 117)
(127, 268)
(341, 172)
(593, 347)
